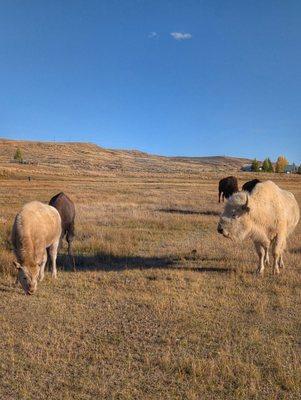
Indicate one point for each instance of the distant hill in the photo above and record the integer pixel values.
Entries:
(91, 159)
(218, 161)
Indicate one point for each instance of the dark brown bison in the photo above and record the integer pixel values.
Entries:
(249, 186)
(66, 209)
(226, 187)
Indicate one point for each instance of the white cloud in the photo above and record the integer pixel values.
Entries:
(181, 35)
(153, 35)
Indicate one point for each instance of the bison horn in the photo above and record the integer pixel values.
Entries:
(246, 207)
(17, 265)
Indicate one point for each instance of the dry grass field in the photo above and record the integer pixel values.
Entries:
(159, 307)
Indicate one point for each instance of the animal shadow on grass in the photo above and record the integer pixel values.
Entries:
(188, 212)
(108, 262)
(220, 270)
(295, 251)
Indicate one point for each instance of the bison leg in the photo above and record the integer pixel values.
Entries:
(53, 254)
(219, 196)
(42, 267)
(69, 238)
(281, 263)
(261, 254)
(276, 264)
(278, 248)
(70, 253)
(266, 257)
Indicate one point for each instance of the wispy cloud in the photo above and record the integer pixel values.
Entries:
(181, 35)
(153, 35)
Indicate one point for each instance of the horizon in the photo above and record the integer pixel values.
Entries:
(198, 79)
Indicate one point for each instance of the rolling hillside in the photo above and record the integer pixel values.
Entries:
(216, 161)
(89, 158)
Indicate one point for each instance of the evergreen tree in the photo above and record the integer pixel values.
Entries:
(18, 155)
(270, 166)
(266, 165)
(255, 165)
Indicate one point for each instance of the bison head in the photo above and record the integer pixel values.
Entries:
(28, 277)
(235, 221)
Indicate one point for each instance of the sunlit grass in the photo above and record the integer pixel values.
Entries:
(159, 305)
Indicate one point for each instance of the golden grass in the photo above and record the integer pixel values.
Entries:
(160, 306)
(78, 158)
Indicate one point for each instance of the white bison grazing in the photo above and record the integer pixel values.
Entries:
(267, 216)
(37, 227)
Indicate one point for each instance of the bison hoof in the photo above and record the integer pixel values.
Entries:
(260, 271)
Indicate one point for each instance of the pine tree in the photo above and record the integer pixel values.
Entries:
(299, 169)
(270, 166)
(18, 155)
(281, 163)
(255, 165)
(266, 165)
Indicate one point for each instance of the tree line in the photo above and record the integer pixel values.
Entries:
(267, 165)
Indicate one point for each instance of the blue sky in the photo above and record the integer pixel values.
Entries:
(166, 77)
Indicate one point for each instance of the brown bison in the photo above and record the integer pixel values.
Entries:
(37, 227)
(226, 187)
(267, 216)
(249, 186)
(66, 209)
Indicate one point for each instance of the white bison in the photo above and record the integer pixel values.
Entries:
(37, 227)
(267, 216)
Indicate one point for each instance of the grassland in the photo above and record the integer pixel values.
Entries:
(159, 307)
(77, 158)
